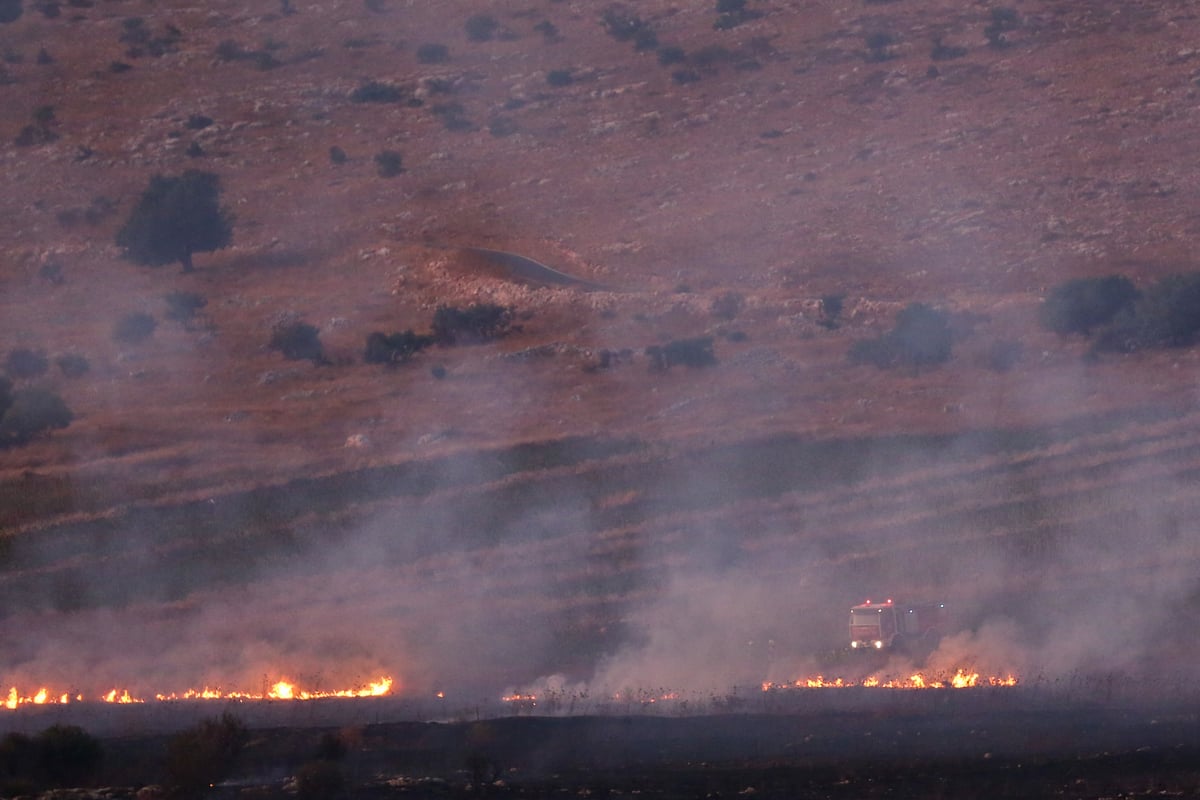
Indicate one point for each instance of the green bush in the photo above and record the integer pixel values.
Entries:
(389, 163)
(920, 337)
(1082, 304)
(377, 92)
(481, 27)
(204, 755)
(73, 365)
(394, 348)
(298, 341)
(174, 218)
(183, 306)
(477, 323)
(10, 11)
(1166, 315)
(23, 362)
(694, 352)
(433, 53)
(135, 327)
(623, 25)
(67, 755)
(31, 412)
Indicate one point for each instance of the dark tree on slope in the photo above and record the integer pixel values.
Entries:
(1080, 305)
(921, 337)
(1166, 315)
(31, 412)
(10, 10)
(298, 341)
(174, 218)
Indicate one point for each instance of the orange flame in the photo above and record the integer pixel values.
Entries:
(281, 690)
(961, 679)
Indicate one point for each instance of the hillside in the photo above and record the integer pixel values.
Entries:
(551, 505)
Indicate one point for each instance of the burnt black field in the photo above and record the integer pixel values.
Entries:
(941, 743)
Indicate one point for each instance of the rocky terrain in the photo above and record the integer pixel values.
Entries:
(546, 510)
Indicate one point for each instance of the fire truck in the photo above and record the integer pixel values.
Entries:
(889, 626)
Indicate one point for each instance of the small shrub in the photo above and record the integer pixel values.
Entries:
(1166, 315)
(1082, 304)
(135, 327)
(67, 755)
(727, 305)
(547, 29)
(337, 155)
(229, 50)
(10, 11)
(921, 337)
(198, 122)
(377, 92)
(25, 363)
(944, 52)
(1003, 21)
(731, 6)
(671, 55)
(560, 77)
(623, 25)
(298, 341)
(685, 76)
(389, 163)
(72, 365)
(433, 53)
(878, 46)
(502, 126)
(1003, 355)
(477, 323)
(30, 413)
(183, 306)
(194, 150)
(394, 348)
(453, 116)
(204, 755)
(481, 27)
(832, 306)
(694, 352)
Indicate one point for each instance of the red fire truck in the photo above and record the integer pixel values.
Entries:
(889, 626)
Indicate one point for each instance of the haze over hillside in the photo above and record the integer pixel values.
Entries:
(554, 505)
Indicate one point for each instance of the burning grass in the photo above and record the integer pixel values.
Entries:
(279, 690)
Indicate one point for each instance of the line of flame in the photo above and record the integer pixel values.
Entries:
(960, 680)
(281, 690)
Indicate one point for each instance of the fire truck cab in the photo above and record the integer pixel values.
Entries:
(888, 626)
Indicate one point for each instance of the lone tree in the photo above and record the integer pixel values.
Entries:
(175, 217)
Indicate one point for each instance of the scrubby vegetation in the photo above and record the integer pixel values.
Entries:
(183, 306)
(23, 362)
(389, 163)
(1167, 314)
(395, 348)
(693, 352)
(921, 337)
(134, 327)
(1082, 304)
(204, 755)
(476, 323)
(298, 341)
(174, 218)
(59, 756)
(28, 413)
